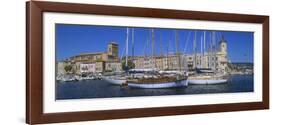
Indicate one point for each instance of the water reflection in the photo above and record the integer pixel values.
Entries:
(102, 89)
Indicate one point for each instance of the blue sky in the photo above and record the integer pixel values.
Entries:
(76, 39)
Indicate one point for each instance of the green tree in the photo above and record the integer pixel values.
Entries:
(68, 68)
(131, 65)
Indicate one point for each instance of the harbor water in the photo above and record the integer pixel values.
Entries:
(87, 89)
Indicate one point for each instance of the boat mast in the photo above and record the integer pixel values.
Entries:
(133, 44)
(201, 50)
(184, 59)
(213, 49)
(204, 47)
(177, 48)
(161, 53)
(127, 44)
(161, 45)
(153, 48)
(194, 51)
(210, 52)
(168, 59)
(145, 47)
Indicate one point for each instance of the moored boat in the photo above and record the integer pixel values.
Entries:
(204, 70)
(115, 80)
(206, 79)
(157, 83)
(207, 73)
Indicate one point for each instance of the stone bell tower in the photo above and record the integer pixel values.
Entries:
(112, 49)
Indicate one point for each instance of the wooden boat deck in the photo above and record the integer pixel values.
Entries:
(164, 79)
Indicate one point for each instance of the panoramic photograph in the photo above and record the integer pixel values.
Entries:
(94, 61)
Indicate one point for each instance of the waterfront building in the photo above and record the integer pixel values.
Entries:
(109, 61)
(216, 60)
(93, 62)
(61, 67)
(170, 62)
(88, 68)
(142, 62)
(110, 55)
(113, 66)
(99, 66)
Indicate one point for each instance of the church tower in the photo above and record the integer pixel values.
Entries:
(112, 49)
(222, 56)
(223, 45)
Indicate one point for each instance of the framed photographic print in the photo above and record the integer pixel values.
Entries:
(95, 62)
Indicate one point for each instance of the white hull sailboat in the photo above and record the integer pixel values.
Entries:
(165, 80)
(160, 85)
(120, 80)
(206, 81)
(115, 81)
(206, 76)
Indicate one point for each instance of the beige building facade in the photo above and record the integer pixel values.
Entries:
(217, 60)
(93, 62)
(113, 66)
(109, 61)
(110, 55)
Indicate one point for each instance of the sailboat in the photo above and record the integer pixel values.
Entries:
(157, 82)
(207, 75)
(120, 79)
(207, 79)
(115, 80)
(155, 79)
(202, 60)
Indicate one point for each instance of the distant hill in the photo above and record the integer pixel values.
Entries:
(241, 65)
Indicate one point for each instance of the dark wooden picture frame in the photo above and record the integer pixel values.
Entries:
(34, 62)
